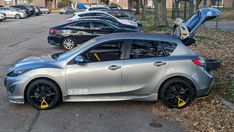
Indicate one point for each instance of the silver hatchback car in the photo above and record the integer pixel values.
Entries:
(115, 67)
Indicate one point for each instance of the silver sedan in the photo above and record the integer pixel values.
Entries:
(13, 13)
(115, 67)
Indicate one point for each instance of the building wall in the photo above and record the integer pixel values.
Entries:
(88, 1)
(122, 3)
(49, 3)
(39, 2)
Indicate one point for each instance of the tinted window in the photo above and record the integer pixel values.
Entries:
(108, 51)
(97, 8)
(83, 25)
(168, 47)
(145, 49)
(99, 25)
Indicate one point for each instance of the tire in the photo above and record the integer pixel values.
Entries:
(43, 94)
(68, 43)
(46, 12)
(17, 16)
(177, 93)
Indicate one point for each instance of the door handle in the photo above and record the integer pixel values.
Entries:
(114, 67)
(159, 63)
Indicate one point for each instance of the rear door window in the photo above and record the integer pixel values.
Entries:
(148, 49)
(81, 25)
(99, 26)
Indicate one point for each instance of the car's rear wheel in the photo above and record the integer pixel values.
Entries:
(177, 93)
(68, 43)
(43, 94)
(17, 16)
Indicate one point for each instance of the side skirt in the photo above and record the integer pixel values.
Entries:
(96, 98)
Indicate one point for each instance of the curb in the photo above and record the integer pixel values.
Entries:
(227, 103)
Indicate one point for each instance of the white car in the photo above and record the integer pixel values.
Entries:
(2, 17)
(13, 13)
(76, 16)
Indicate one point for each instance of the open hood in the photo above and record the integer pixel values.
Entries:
(186, 29)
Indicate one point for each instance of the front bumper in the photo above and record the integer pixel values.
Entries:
(15, 87)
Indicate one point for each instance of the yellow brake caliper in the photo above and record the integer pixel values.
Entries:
(44, 104)
(181, 102)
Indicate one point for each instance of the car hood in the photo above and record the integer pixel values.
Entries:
(34, 62)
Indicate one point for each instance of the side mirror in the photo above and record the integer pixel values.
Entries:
(79, 59)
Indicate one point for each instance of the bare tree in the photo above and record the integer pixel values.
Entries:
(143, 6)
(160, 14)
(129, 4)
(232, 4)
(137, 2)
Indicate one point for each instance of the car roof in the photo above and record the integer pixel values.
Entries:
(141, 36)
(84, 12)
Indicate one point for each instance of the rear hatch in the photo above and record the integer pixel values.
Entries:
(187, 29)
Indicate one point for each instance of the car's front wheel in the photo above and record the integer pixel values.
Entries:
(43, 94)
(177, 93)
(17, 16)
(68, 43)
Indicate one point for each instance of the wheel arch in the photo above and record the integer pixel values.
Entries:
(178, 77)
(46, 78)
(18, 14)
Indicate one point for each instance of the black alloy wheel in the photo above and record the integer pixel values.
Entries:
(177, 93)
(43, 94)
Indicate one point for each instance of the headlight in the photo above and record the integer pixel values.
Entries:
(15, 73)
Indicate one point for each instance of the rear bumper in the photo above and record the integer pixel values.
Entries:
(205, 83)
(54, 40)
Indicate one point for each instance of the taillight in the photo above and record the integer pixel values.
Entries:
(198, 62)
(53, 31)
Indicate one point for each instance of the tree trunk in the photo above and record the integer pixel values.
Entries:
(143, 6)
(137, 6)
(129, 4)
(232, 4)
(191, 8)
(160, 14)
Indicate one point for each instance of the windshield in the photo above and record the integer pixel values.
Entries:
(66, 54)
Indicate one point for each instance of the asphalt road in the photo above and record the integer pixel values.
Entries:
(27, 37)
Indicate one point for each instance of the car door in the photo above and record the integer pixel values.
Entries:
(100, 28)
(81, 31)
(145, 65)
(100, 74)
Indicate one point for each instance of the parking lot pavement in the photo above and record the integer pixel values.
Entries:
(28, 37)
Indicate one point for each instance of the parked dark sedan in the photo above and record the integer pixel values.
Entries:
(72, 34)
